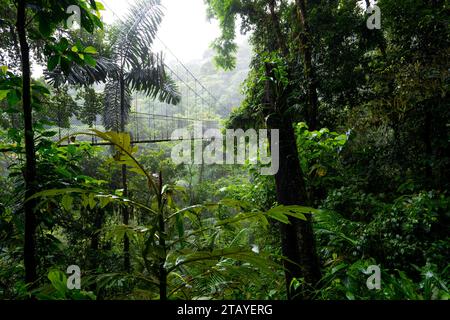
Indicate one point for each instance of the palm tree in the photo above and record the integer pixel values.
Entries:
(128, 65)
(131, 66)
(138, 68)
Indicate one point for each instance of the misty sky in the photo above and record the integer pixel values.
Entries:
(185, 28)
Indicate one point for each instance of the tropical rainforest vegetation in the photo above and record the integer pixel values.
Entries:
(364, 127)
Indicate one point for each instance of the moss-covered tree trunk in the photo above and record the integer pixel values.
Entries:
(297, 238)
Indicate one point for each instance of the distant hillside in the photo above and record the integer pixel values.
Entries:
(225, 85)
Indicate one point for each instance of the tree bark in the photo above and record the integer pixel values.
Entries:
(427, 138)
(277, 28)
(95, 238)
(309, 69)
(297, 238)
(162, 244)
(125, 213)
(30, 261)
(162, 268)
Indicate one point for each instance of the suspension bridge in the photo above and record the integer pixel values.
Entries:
(152, 121)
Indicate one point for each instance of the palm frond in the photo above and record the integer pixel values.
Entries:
(151, 79)
(137, 32)
(83, 75)
(112, 111)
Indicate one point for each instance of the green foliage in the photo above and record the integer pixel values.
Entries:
(224, 45)
(408, 232)
(166, 236)
(320, 158)
(348, 281)
(92, 105)
(61, 107)
(212, 232)
(62, 55)
(58, 289)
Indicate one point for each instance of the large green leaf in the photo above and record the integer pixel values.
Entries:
(53, 62)
(89, 60)
(58, 280)
(56, 192)
(90, 50)
(235, 253)
(282, 213)
(3, 94)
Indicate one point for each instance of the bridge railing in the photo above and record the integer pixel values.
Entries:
(143, 128)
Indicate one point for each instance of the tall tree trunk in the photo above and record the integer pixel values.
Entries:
(427, 138)
(297, 238)
(95, 238)
(200, 174)
(125, 213)
(275, 21)
(162, 268)
(309, 70)
(30, 167)
(162, 243)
